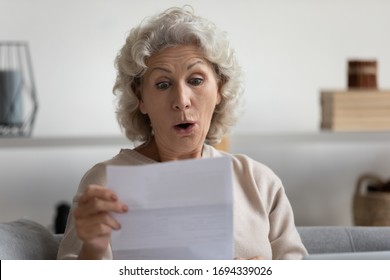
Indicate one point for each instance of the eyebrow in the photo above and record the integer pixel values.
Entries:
(193, 64)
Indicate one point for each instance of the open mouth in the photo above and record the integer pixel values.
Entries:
(185, 126)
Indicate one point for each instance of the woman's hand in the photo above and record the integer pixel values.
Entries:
(94, 222)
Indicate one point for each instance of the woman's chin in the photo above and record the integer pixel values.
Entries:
(186, 145)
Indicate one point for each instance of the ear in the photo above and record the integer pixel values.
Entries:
(136, 87)
(141, 107)
(221, 83)
(141, 103)
(219, 96)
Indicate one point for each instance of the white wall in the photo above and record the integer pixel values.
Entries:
(289, 51)
(319, 171)
(35, 179)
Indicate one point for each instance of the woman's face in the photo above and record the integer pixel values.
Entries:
(179, 93)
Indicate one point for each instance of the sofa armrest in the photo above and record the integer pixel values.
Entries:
(337, 239)
(27, 240)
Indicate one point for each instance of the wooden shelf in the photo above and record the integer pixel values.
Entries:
(43, 142)
(322, 136)
(261, 138)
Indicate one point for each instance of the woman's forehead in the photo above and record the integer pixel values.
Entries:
(176, 54)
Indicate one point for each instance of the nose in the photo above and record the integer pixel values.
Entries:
(182, 100)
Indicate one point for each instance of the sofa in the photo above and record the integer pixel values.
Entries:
(25, 239)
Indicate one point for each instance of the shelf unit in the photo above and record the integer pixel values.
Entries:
(294, 137)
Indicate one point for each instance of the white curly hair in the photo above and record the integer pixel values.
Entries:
(175, 27)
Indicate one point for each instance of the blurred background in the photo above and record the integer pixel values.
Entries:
(289, 50)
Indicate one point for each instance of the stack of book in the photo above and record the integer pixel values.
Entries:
(355, 110)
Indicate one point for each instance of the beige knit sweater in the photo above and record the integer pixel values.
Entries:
(263, 218)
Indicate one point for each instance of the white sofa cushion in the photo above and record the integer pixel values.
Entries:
(26, 240)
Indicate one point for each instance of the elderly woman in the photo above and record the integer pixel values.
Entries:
(178, 87)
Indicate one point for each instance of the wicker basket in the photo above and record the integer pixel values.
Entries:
(371, 208)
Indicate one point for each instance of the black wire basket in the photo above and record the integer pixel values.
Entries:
(18, 100)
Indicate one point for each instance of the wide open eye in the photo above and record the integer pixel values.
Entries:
(195, 81)
(163, 85)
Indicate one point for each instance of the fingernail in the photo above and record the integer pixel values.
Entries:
(125, 208)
